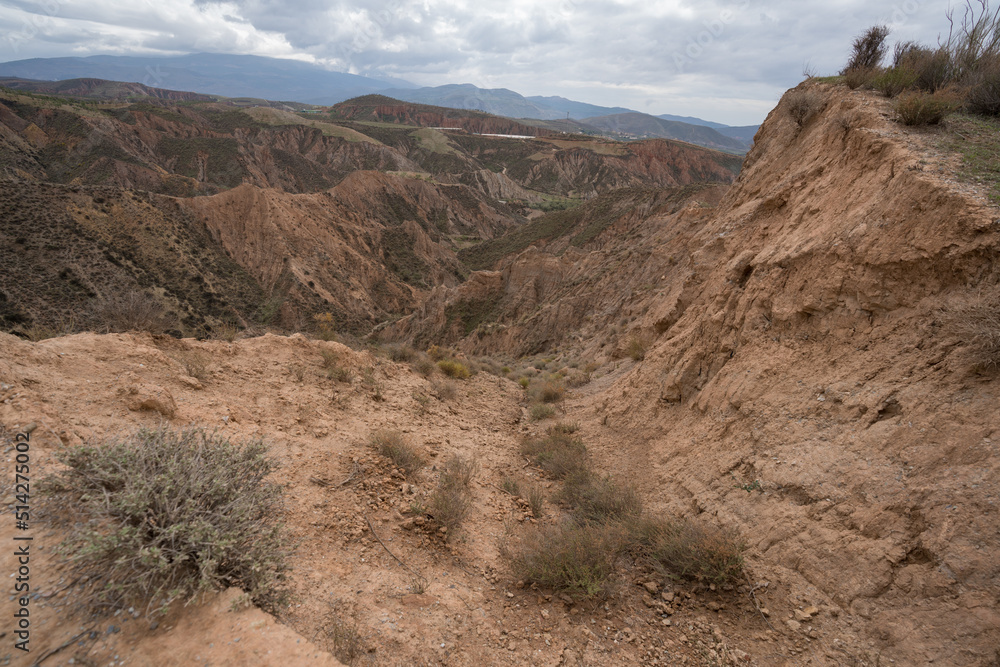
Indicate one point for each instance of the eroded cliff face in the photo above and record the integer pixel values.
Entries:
(809, 349)
(798, 336)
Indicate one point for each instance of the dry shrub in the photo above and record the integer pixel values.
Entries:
(423, 365)
(162, 515)
(859, 78)
(803, 105)
(226, 331)
(600, 499)
(559, 454)
(868, 50)
(982, 89)
(400, 353)
(978, 323)
(394, 446)
(511, 486)
(577, 379)
(444, 390)
(688, 550)
(548, 391)
(451, 501)
(931, 68)
(638, 344)
(565, 427)
(326, 328)
(194, 362)
(540, 411)
(341, 637)
(131, 310)
(919, 108)
(975, 39)
(536, 500)
(454, 369)
(578, 560)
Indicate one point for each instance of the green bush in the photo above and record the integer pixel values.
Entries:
(166, 515)
(893, 81)
(454, 369)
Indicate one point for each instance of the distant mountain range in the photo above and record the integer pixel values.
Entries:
(634, 125)
(618, 120)
(210, 73)
(502, 102)
(277, 79)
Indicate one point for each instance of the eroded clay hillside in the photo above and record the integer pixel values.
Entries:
(805, 336)
(226, 217)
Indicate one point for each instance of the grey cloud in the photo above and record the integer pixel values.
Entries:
(709, 59)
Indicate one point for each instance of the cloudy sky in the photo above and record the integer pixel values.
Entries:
(719, 60)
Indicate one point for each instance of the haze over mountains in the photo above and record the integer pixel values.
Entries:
(291, 80)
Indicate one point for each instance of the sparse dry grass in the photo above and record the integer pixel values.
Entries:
(540, 411)
(689, 550)
(977, 322)
(600, 499)
(559, 454)
(397, 448)
(451, 500)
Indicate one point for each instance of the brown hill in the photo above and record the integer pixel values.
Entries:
(99, 89)
(380, 108)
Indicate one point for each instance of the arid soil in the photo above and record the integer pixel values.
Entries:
(803, 383)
